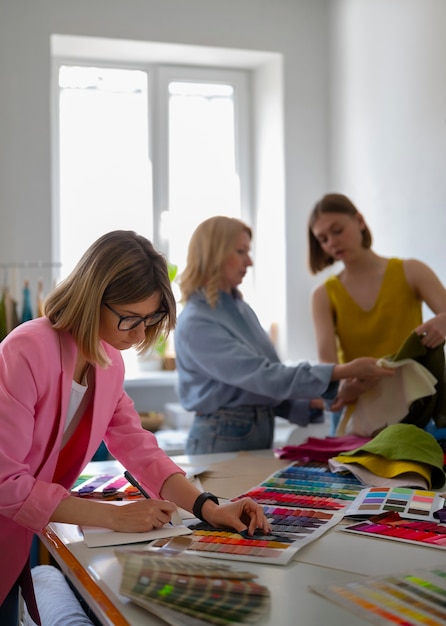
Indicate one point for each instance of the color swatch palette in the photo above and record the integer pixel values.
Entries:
(283, 497)
(392, 526)
(298, 473)
(104, 486)
(321, 485)
(292, 529)
(410, 503)
(311, 485)
(415, 598)
(287, 522)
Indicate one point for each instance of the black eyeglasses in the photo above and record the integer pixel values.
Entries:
(129, 322)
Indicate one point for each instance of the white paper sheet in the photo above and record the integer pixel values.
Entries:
(98, 537)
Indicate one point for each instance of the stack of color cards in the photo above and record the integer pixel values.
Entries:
(187, 587)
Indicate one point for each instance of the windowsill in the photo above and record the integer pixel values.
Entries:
(152, 378)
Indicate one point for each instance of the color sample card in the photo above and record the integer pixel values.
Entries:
(392, 526)
(311, 485)
(298, 474)
(284, 497)
(289, 522)
(292, 529)
(416, 598)
(410, 503)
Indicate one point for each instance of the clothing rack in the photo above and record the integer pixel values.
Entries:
(23, 285)
(30, 264)
(14, 273)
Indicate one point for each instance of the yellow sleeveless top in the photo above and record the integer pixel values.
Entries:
(382, 330)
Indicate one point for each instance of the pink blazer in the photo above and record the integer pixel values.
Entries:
(36, 373)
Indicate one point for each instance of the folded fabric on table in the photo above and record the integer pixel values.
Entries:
(401, 443)
(375, 470)
(317, 449)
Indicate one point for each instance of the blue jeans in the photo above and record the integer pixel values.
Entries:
(335, 419)
(231, 430)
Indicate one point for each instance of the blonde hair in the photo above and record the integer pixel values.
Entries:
(330, 203)
(121, 267)
(210, 244)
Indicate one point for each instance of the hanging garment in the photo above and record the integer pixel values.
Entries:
(27, 311)
(3, 331)
(11, 315)
(40, 299)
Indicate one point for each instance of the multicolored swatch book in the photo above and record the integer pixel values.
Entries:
(415, 598)
(188, 588)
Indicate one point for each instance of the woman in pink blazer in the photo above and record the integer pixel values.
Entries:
(61, 394)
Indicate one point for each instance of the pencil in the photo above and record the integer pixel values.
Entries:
(132, 480)
(177, 521)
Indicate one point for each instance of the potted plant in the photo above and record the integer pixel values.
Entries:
(163, 346)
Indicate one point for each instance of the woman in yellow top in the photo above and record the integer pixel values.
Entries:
(374, 303)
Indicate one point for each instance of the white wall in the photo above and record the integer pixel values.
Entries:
(363, 108)
(389, 121)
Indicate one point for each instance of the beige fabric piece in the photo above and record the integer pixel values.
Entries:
(389, 400)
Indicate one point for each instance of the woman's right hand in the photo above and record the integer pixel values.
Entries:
(140, 516)
(134, 517)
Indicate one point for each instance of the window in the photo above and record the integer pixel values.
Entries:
(152, 149)
(162, 180)
(105, 178)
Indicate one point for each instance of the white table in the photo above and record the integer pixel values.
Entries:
(334, 557)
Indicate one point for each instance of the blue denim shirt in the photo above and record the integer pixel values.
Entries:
(225, 358)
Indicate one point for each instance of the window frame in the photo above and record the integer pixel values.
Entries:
(158, 76)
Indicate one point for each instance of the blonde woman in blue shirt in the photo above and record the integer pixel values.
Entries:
(229, 371)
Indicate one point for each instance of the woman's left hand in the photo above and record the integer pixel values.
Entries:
(241, 515)
(350, 390)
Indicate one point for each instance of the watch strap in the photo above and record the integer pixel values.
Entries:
(198, 504)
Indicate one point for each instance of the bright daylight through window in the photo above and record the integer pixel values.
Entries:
(153, 155)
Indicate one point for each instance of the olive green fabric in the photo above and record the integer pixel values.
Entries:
(407, 442)
(433, 359)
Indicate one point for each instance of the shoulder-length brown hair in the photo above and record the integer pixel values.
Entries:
(121, 267)
(210, 244)
(330, 203)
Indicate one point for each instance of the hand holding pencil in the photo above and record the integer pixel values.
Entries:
(175, 516)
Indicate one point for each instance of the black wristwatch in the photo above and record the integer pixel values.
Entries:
(198, 504)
